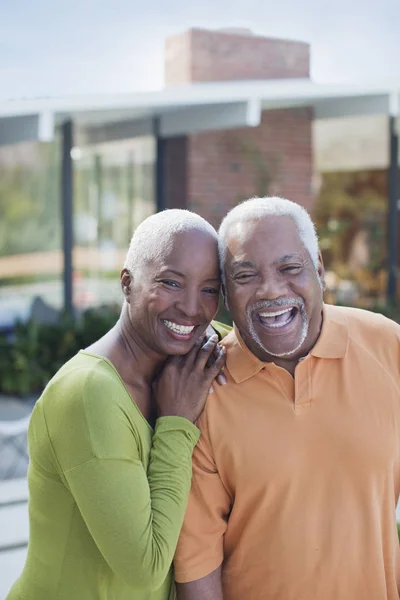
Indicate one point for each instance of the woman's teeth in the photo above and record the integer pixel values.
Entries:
(181, 329)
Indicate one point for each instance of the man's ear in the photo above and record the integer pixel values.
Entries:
(126, 283)
(321, 271)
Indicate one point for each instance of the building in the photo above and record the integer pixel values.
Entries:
(239, 116)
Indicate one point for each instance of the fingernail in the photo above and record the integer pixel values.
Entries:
(222, 379)
(214, 338)
(211, 390)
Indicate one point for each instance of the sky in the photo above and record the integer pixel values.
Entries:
(74, 47)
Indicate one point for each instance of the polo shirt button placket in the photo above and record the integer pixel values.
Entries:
(302, 398)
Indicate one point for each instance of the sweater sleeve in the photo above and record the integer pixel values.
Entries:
(134, 517)
(222, 329)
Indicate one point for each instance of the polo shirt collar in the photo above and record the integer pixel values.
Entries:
(332, 343)
(334, 337)
(240, 361)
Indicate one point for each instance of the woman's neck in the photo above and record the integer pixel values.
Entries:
(136, 363)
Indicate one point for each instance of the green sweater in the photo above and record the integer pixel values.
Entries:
(107, 494)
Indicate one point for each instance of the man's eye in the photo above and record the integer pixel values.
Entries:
(243, 276)
(291, 268)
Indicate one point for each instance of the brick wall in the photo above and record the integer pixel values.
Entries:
(224, 167)
(229, 166)
(203, 55)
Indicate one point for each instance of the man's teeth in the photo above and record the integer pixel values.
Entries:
(275, 314)
(182, 329)
(278, 318)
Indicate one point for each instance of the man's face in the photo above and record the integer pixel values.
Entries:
(273, 289)
(172, 300)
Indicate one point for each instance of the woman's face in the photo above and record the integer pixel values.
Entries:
(173, 299)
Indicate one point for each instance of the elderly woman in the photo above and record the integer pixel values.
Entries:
(112, 436)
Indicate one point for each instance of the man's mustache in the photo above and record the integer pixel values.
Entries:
(278, 303)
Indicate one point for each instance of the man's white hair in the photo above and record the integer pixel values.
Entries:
(259, 208)
(154, 237)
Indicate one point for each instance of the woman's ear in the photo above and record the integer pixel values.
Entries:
(126, 282)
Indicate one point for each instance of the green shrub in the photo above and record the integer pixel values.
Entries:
(37, 351)
(223, 315)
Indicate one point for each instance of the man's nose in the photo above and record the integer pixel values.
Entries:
(271, 288)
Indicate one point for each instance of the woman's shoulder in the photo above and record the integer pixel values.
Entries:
(84, 379)
(82, 370)
(82, 408)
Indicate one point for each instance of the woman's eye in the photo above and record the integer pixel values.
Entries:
(170, 283)
(211, 291)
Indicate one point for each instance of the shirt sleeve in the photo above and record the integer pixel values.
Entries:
(222, 329)
(134, 517)
(200, 546)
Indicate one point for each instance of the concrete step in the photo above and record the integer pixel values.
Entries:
(14, 526)
(13, 491)
(11, 565)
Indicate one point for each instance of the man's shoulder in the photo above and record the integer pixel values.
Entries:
(361, 320)
(370, 331)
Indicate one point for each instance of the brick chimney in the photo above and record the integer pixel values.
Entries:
(200, 55)
(210, 172)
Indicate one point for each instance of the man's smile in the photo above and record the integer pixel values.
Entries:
(278, 319)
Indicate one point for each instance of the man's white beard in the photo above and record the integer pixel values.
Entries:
(276, 304)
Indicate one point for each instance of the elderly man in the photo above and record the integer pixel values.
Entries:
(296, 475)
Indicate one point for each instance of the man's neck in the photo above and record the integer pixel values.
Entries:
(288, 363)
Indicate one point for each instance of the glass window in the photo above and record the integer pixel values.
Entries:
(351, 214)
(114, 192)
(30, 229)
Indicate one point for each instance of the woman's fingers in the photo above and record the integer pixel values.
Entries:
(188, 360)
(217, 366)
(221, 379)
(204, 353)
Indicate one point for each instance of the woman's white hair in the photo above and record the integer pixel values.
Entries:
(258, 208)
(154, 237)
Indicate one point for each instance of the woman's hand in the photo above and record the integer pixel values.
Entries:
(183, 385)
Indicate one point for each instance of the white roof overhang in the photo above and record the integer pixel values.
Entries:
(188, 109)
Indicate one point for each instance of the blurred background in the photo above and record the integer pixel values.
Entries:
(110, 112)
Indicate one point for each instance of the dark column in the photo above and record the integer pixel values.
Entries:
(176, 172)
(67, 193)
(393, 198)
(130, 193)
(98, 177)
(159, 167)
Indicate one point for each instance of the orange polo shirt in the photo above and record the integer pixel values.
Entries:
(295, 481)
